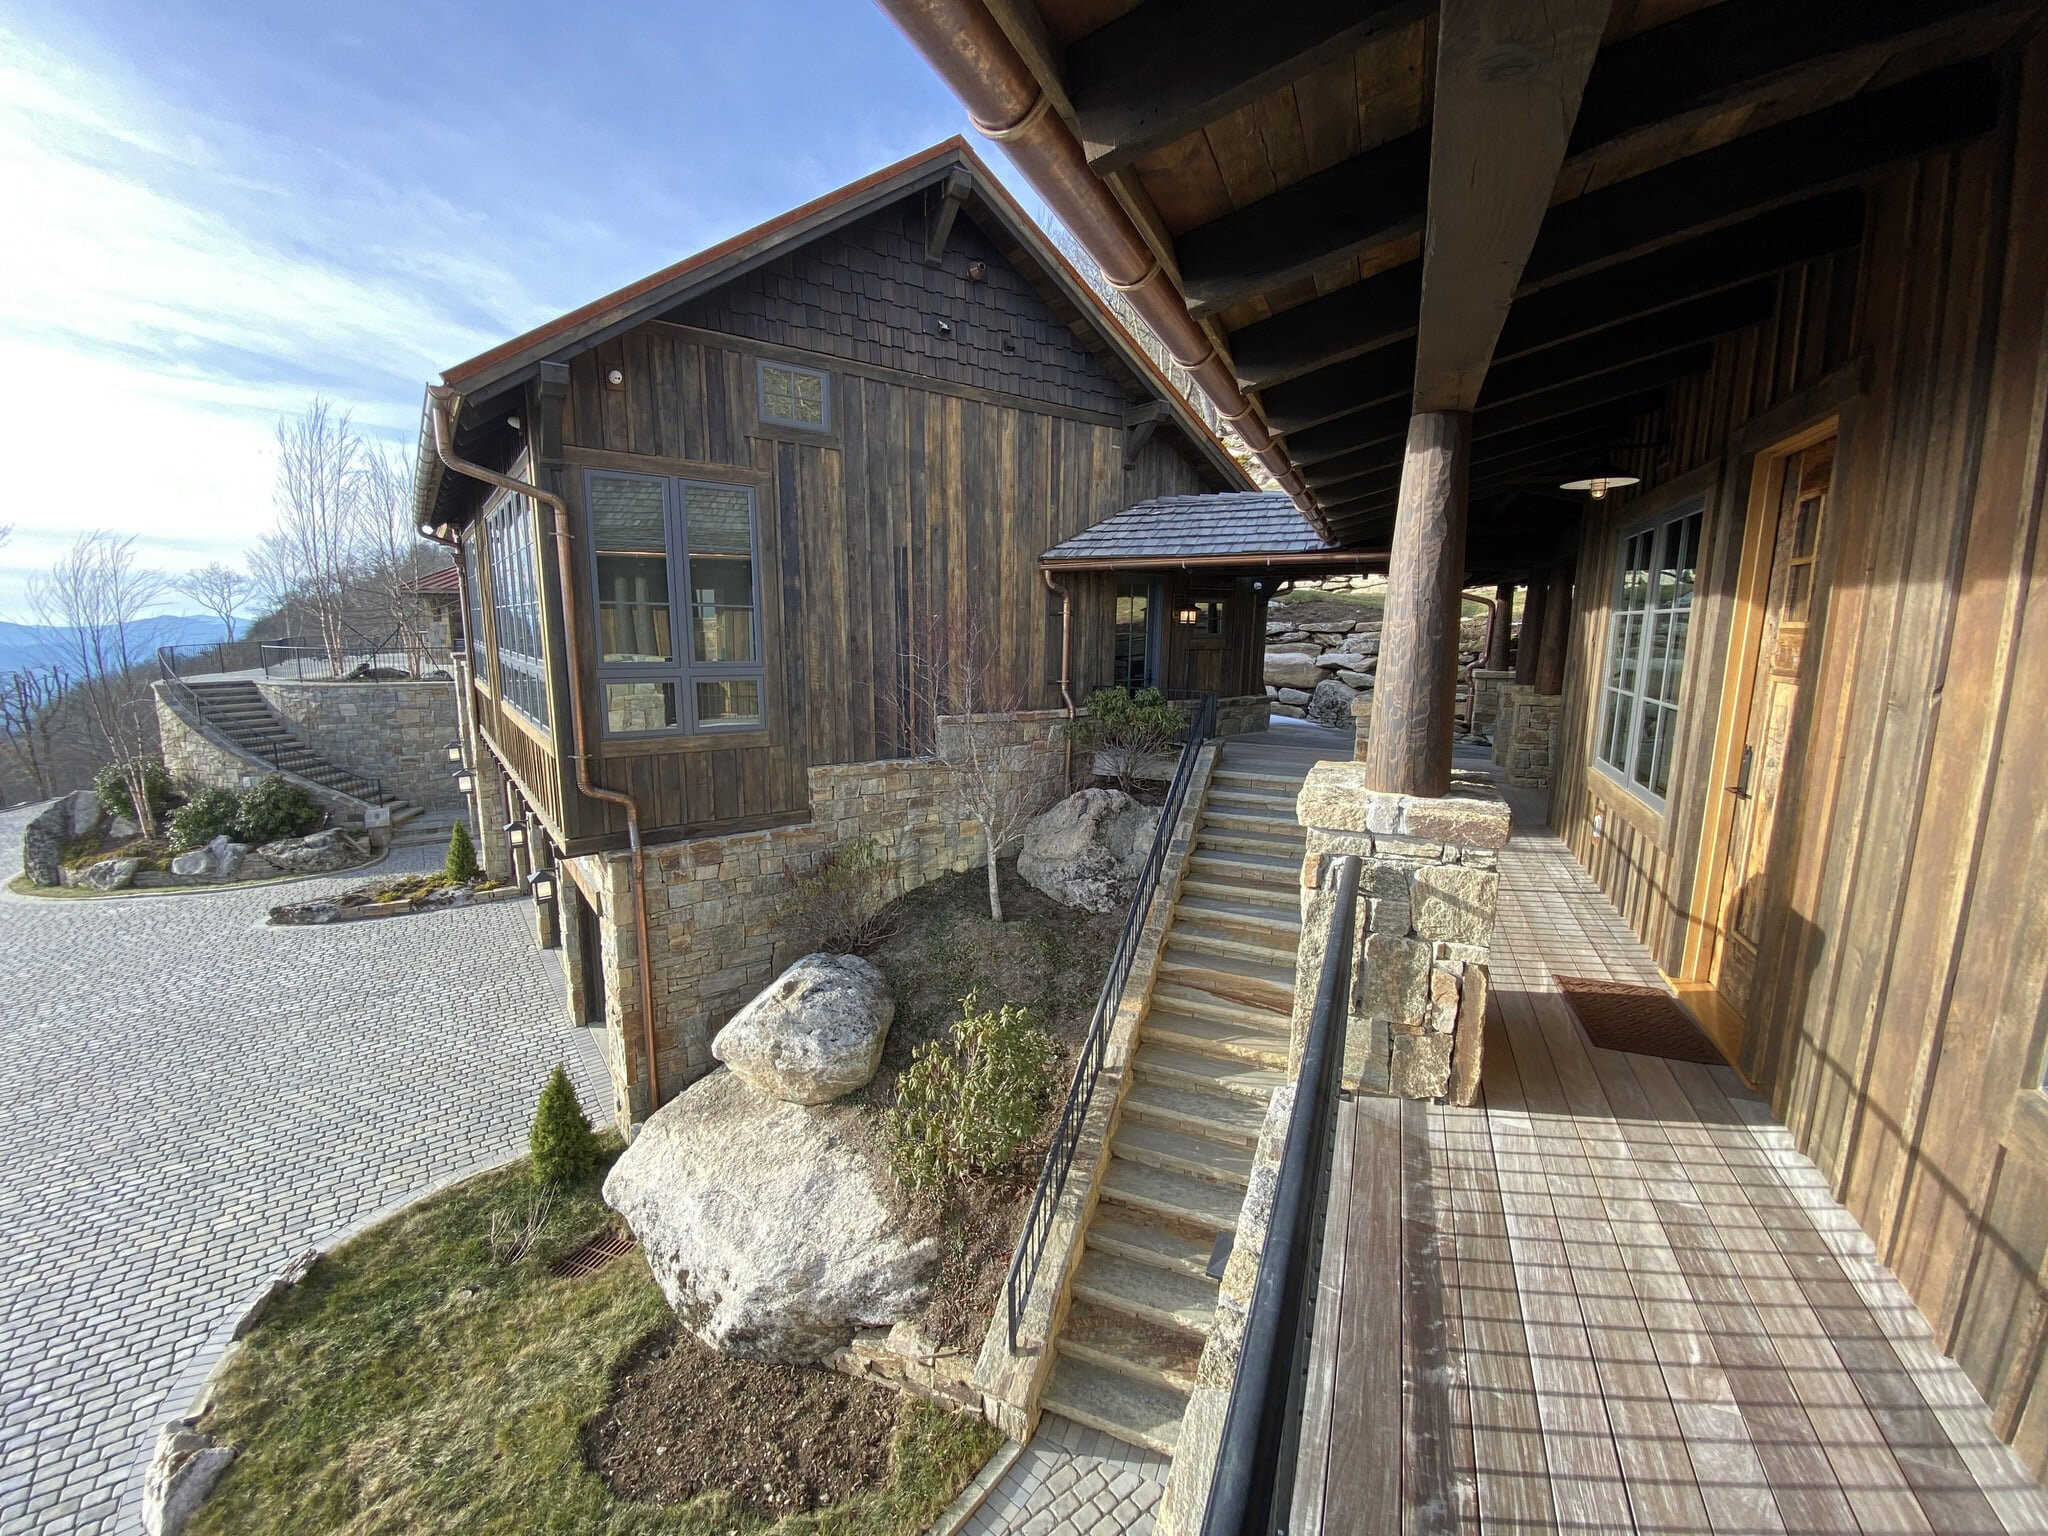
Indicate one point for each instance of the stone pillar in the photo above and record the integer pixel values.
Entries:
(547, 915)
(1501, 633)
(1417, 678)
(1361, 724)
(1487, 686)
(1526, 750)
(1530, 640)
(486, 816)
(1427, 896)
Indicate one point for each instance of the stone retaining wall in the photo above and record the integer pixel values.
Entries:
(1525, 735)
(393, 732)
(1487, 687)
(717, 906)
(199, 757)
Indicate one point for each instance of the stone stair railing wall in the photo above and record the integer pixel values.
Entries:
(394, 732)
(201, 754)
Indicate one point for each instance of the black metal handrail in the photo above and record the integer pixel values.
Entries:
(400, 651)
(1066, 1136)
(294, 759)
(1253, 1485)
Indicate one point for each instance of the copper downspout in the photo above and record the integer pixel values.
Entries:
(1066, 653)
(970, 52)
(441, 395)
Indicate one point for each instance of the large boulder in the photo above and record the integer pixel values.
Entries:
(315, 854)
(106, 875)
(196, 864)
(1292, 669)
(181, 1473)
(775, 1230)
(1330, 704)
(227, 856)
(814, 1034)
(86, 814)
(42, 843)
(1089, 850)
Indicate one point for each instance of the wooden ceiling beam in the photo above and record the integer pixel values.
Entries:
(1355, 207)
(1580, 394)
(1678, 201)
(1165, 68)
(1501, 453)
(1320, 444)
(1651, 335)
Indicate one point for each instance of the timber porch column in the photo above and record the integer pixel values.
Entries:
(1410, 749)
(1548, 676)
(1526, 649)
(1503, 621)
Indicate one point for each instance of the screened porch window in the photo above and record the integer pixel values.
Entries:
(1132, 664)
(522, 671)
(1652, 613)
(678, 632)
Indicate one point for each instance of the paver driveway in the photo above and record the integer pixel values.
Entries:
(189, 1097)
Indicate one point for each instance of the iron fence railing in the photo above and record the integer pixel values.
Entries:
(1252, 1488)
(178, 661)
(1066, 1136)
(355, 654)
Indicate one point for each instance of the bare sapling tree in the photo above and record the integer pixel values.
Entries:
(220, 589)
(28, 711)
(960, 694)
(312, 553)
(393, 555)
(95, 598)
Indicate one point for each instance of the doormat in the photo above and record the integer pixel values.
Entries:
(1626, 1016)
(592, 1256)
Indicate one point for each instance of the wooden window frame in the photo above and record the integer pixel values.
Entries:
(682, 670)
(501, 558)
(768, 418)
(1621, 775)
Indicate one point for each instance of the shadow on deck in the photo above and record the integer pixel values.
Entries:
(1614, 1296)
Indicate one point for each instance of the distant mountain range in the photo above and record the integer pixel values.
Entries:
(39, 645)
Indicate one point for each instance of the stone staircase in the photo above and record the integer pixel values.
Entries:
(1210, 1050)
(237, 709)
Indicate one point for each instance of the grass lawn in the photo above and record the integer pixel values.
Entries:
(414, 1384)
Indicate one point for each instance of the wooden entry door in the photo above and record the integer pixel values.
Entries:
(1800, 510)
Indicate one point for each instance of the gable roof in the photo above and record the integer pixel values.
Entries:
(494, 372)
(1252, 526)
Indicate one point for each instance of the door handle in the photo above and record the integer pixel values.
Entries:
(1740, 788)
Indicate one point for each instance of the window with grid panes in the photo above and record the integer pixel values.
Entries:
(522, 670)
(1648, 626)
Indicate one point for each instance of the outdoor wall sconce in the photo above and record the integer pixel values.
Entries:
(454, 751)
(515, 833)
(1188, 614)
(465, 783)
(542, 884)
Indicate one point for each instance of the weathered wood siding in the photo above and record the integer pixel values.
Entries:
(1902, 989)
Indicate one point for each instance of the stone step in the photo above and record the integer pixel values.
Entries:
(1235, 840)
(1135, 1412)
(1212, 938)
(1215, 1112)
(1254, 814)
(402, 811)
(1163, 1296)
(1131, 1346)
(1280, 873)
(1175, 1196)
(1180, 1149)
(1229, 775)
(1267, 796)
(1272, 900)
(1261, 1046)
(1170, 1064)
(1146, 1238)
(1230, 978)
(1255, 907)
(1179, 999)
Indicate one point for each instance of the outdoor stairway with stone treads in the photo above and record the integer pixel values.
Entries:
(237, 709)
(1211, 1049)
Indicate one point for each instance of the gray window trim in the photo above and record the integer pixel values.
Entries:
(516, 590)
(761, 367)
(683, 670)
(1621, 774)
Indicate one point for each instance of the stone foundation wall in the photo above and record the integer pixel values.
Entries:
(1525, 735)
(717, 907)
(394, 732)
(1243, 714)
(1487, 688)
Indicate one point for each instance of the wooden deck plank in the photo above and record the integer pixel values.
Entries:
(1312, 1462)
(1463, 1458)
(1364, 1460)
(1426, 1442)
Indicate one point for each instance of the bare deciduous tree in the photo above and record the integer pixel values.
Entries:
(28, 709)
(393, 556)
(219, 589)
(310, 558)
(95, 598)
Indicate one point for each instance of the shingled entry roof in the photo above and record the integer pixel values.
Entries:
(1247, 523)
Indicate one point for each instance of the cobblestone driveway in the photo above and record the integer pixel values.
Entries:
(187, 1098)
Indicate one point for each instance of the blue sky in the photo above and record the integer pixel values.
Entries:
(213, 211)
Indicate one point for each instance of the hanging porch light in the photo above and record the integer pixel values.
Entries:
(1607, 476)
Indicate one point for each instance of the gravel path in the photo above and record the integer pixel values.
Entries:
(190, 1097)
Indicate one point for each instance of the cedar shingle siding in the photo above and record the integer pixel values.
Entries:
(865, 294)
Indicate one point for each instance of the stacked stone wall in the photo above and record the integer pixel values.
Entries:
(718, 907)
(1487, 687)
(394, 732)
(1525, 735)
(198, 758)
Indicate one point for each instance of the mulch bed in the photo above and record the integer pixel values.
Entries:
(782, 1439)
(1647, 1021)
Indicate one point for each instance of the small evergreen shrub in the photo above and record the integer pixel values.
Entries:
(840, 904)
(209, 814)
(564, 1147)
(461, 865)
(970, 1104)
(110, 786)
(1126, 729)
(276, 808)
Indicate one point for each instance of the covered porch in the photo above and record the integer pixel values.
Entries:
(1612, 1294)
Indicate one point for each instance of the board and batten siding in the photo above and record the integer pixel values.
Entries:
(916, 519)
(1901, 993)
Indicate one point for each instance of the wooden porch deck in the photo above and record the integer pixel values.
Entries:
(1614, 1297)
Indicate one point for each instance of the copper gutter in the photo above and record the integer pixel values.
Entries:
(970, 52)
(1249, 562)
(440, 398)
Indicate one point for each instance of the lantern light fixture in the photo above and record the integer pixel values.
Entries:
(1606, 476)
(454, 751)
(465, 783)
(515, 833)
(541, 883)
(1188, 614)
